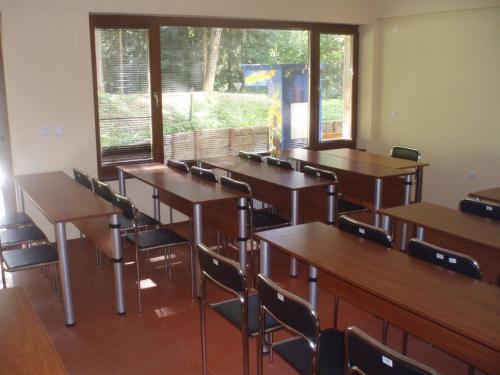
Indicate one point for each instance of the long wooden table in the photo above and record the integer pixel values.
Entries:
(195, 197)
(492, 195)
(291, 192)
(453, 312)
(361, 179)
(62, 200)
(467, 233)
(25, 347)
(384, 160)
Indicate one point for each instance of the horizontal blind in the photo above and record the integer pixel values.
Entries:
(123, 90)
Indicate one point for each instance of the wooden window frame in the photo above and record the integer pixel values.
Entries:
(153, 24)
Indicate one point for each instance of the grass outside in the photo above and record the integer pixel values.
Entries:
(128, 116)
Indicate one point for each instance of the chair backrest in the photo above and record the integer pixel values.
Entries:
(221, 270)
(235, 184)
(407, 153)
(250, 155)
(82, 178)
(454, 261)
(207, 174)
(282, 163)
(125, 204)
(365, 355)
(291, 311)
(323, 173)
(178, 165)
(480, 208)
(360, 229)
(103, 190)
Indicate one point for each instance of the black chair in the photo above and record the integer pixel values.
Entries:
(148, 240)
(281, 163)
(488, 210)
(242, 311)
(18, 236)
(178, 165)
(342, 206)
(402, 152)
(250, 156)
(207, 174)
(447, 259)
(365, 355)
(82, 178)
(258, 220)
(33, 257)
(367, 231)
(310, 351)
(16, 219)
(373, 234)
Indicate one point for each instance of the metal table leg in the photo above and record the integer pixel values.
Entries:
(420, 233)
(156, 201)
(313, 286)
(331, 205)
(294, 206)
(114, 225)
(419, 177)
(62, 250)
(265, 258)
(407, 200)
(121, 183)
(198, 238)
(242, 232)
(377, 202)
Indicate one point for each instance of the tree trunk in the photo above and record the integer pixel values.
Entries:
(212, 57)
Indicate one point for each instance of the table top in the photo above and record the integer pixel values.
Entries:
(61, 199)
(465, 226)
(261, 171)
(343, 164)
(368, 157)
(492, 195)
(192, 188)
(25, 347)
(466, 306)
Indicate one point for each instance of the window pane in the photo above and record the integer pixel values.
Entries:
(227, 89)
(123, 90)
(335, 87)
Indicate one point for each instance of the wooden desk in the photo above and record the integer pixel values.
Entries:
(492, 195)
(25, 347)
(470, 234)
(385, 160)
(453, 312)
(360, 179)
(188, 194)
(280, 187)
(63, 200)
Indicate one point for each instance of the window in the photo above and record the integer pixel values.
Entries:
(192, 88)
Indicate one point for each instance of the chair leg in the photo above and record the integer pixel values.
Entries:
(472, 370)
(203, 330)
(336, 312)
(81, 240)
(385, 329)
(138, 279)
(271, 339)
(193, 271)
(166, 261)
(170, 276)
(3, 277)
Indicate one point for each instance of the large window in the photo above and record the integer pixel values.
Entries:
(193, 88)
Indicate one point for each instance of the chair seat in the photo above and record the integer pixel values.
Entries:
(15, 219)
(162, 237)
(262, 219)
(30, 257)
(297, 353)
(20, 235)
(344, 207)
(231, 310)
(143, 220)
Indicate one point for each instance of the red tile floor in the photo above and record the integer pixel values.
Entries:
(165, 338)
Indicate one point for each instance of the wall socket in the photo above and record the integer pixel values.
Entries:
(471, 175)
(44, 131)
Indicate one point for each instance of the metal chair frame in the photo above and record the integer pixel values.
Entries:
(489, 210)
(280, 163)
(396, 149)
(178, 165)
(207, 174)
(250, 156)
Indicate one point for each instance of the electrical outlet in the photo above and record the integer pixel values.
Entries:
(471, 175)
(394, 113)
(59, 130)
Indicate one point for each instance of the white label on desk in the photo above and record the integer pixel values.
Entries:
(489, 208)
(439, 256)
(216, 262)
(387, 361)
(452, 260)
(362, 231)
(280, 297)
